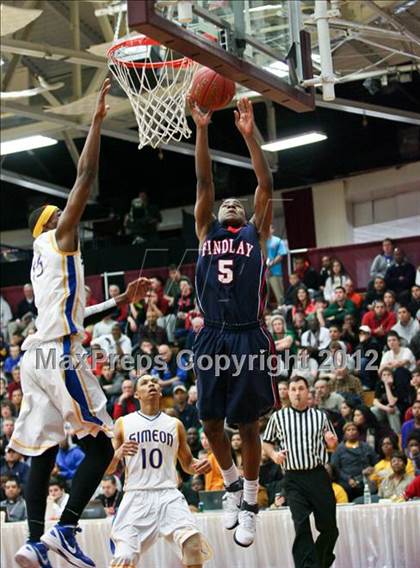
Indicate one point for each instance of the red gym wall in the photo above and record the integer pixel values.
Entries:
(299, 215)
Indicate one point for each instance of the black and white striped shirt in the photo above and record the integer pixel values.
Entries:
(301, 433)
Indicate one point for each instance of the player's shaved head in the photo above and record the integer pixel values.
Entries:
(232, 212)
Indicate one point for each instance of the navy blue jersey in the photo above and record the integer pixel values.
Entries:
(230, 276)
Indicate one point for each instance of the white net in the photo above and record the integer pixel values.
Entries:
(156, 82)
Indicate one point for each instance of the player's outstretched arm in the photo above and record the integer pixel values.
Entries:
(204, 202)
(188, 463)
(134, 292)
(87, 168)
(263, 203)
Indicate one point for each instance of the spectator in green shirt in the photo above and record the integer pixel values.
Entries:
(283, 338)
(337, 311)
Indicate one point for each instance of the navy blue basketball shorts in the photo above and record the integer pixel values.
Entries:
(233, 374)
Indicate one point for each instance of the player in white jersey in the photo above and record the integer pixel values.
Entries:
(57, 387)
(150, 442)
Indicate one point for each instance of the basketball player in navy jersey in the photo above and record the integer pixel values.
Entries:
(231, 292)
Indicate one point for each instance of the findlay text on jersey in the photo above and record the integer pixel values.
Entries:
(226, 246)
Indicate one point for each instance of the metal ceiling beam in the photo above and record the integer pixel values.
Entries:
(22, 35)
(345, 25)
(113, 130)
(366, 109)
(362, 39)
(70, 145)
(76, 71)
(105, 25)
(54, 52)
(393, 21)
(356, 107)
(64, 12)
(100, 74)
(34, 184)
(384, 33)
(374, 70)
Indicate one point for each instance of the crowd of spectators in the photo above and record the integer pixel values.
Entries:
(360, 353)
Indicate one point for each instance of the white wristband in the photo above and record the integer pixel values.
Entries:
(102, 307)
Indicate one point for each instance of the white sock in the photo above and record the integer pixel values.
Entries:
(230, 475)
(250, 491)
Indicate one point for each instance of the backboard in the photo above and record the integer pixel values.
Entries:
(260, 44)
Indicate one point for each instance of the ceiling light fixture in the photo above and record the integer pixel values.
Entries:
(402, 8)
(28, 143)
(294, 141)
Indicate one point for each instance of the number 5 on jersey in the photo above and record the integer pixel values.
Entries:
(225, 270)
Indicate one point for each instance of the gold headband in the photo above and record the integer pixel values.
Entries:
(43, 220)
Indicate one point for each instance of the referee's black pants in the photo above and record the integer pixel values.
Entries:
(307, 492)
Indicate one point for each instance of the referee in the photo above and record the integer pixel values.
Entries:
(303, 435)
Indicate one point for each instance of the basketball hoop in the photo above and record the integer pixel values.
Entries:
(156, 82)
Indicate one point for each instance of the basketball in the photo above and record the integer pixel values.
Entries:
(210, 90)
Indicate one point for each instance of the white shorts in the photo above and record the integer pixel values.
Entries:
(53, 395)
(143, 517)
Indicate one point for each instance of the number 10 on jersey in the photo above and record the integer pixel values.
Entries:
(154, 458)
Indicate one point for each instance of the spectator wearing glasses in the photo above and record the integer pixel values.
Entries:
(382, 469)
(396, 482)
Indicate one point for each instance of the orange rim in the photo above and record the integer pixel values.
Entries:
(143, 41)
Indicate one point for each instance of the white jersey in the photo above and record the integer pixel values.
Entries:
(59, 288)
(153, 467)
